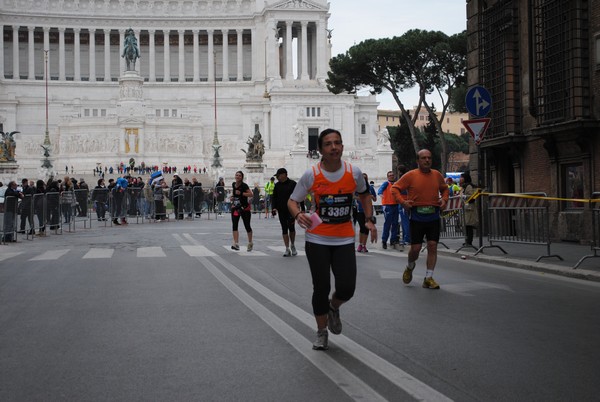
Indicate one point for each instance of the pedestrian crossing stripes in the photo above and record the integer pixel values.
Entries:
(193, 250)
(50, 255)
(99, 253)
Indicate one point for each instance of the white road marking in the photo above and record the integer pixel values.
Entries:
(9, 254)
(464, 289)
(245, 252)
(281, 249)
(50, 255)
(197, 251)
(390, 275)
(148, 252)
(99, 253)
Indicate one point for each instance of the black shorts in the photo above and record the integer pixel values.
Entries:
(419, 230)
(286, 221)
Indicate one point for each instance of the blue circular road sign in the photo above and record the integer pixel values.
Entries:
(478, 101)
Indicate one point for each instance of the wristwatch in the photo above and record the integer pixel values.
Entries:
(370, 219)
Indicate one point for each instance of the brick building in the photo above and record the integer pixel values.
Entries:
(540, 61)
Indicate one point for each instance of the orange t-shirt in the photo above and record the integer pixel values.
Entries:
(423, 189)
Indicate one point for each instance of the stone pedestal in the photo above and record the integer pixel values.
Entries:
(254, 173)
(8, 171)
(131, 95)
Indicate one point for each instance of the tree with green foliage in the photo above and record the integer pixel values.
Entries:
(430, 60)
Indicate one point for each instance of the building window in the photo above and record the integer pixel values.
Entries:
(95, 112)
(363, 129)
(597, 52)
(313, 112)
(86, 112)
(166, 113)
(103, 112)
(313, 135)
(173, 112)
(573, 185)
(157, 113)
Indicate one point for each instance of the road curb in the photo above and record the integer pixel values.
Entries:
(527, 265)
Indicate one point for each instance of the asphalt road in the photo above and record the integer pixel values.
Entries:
(167, 311)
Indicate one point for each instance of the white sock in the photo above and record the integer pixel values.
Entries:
(429, 273)
(411, 265)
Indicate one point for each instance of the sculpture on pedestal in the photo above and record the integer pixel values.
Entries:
(8, 146)
(256, 148)
(131, 51)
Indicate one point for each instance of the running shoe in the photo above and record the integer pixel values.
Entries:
(293, 249)
(407, 275)
(429, 283)
(235, 247)
(287, 252)
(333, 321)
(322, 342)
(359, 249)
(250, 245)
(383, 245)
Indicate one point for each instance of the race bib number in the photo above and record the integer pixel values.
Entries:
(426, 210)
(335, 208)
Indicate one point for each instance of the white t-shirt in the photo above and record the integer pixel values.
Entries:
(302, 189)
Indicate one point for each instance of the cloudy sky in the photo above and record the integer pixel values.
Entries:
(353, 21)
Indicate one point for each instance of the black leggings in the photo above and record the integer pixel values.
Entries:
(235, 219)
(342, 261)
(360, 218)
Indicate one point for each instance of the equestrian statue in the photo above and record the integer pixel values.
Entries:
(131, 51)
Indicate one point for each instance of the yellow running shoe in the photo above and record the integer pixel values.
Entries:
(407, 275)
(430, 283)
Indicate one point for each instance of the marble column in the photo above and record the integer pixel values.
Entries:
(107, 55)
(121, 59)
(240, 55)
(321, 47)
(304, 76)
(138, 63)
(289, 61)
(2, 51)
(61, 54)
(31, 55)
(196, 54)
(225, 54)
(181, 33)
(92, 48)
(211, 55)
(77, 54)
(15, 48)
(152, 55)
(166, 58)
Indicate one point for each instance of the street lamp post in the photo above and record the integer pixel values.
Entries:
(46, 163)
(216, 162)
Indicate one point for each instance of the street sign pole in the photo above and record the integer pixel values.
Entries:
(480, 203)
(478, 102)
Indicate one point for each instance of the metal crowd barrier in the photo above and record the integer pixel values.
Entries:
(595, 244)
(452, 220)
(9, 219)
(519, 220)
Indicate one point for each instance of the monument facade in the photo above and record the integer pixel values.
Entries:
(160, 81)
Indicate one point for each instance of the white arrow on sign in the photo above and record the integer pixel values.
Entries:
(477, 128)
(480, 103)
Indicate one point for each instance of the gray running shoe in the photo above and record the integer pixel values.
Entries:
(333, 321)
(250, 245)
(322, 342)
(235, 247)
(293, 248)
(287, 252)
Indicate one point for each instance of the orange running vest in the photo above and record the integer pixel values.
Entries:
(334, 203)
